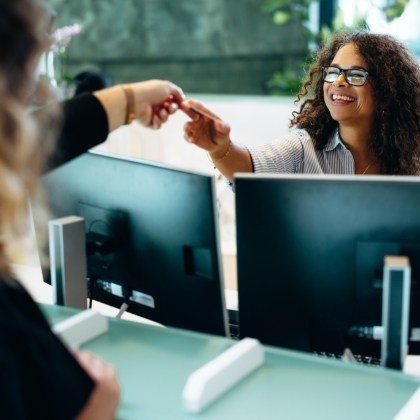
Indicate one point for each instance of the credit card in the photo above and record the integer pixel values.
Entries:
(186, 106)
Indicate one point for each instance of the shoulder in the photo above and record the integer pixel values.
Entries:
(296, 138)
(302, 136)
(296, 142)
(19, 312)
(284, 155)
(11, 293)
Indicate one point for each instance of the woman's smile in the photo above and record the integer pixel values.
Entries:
(341, 99)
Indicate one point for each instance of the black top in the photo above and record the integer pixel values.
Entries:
(39, 378)
(85, 125)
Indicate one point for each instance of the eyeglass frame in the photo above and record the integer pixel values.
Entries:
(344, 73)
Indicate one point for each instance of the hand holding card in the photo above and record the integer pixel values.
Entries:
(206, 130)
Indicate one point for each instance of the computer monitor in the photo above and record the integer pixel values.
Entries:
(311, 252)
(152, 237)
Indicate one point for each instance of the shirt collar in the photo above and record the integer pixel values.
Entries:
(333, 142)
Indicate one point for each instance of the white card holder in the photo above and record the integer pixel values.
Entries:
(220, 374)
(81, 328)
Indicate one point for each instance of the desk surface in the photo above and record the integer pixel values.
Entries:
(154, 363)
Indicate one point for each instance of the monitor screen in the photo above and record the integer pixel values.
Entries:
(311, 252)
(152, 237)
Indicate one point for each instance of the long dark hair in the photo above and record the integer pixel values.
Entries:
(395, 140)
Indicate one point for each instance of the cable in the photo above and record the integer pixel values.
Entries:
(123, 308)
(91, 283)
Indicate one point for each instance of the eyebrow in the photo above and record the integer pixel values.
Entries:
(350, 68)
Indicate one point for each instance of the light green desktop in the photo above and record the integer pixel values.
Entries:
(154, 363)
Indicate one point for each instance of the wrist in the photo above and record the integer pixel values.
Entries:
(113, 101)
(222, 153)
(130, 114)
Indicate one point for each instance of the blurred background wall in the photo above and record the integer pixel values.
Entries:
(245, 47)
(213, 46)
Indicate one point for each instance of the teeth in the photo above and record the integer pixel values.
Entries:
(342, 98)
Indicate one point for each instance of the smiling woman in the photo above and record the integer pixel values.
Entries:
(350, 102)
(359, 114)
(381, 124)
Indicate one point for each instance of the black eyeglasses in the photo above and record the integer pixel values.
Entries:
(354, 77)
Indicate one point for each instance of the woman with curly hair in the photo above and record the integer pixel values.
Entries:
(360, 115)
(39, 377)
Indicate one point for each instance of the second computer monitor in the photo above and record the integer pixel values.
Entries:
(152, 237)
(310, 256)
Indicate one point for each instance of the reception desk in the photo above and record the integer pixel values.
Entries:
(154, 363)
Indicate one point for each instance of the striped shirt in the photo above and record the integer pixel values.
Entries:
(296, 153)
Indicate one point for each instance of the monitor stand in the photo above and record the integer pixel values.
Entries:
(395, 311)
(67, 246)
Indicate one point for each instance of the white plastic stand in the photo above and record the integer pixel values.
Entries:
(222, 373)
(411, 410)
(68, 261)
(395, 311)
(81, 328)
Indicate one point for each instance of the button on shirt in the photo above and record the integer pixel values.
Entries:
(296, 153)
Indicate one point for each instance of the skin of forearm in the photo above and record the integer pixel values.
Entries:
(237, 159)
(114, 102)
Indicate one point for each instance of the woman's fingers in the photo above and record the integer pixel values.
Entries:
(199, 108)
(188, 138)
(189, 132)
(163, 115)
(177, 95)
(184, 106)
(197, 111)
(156, 122)
(172, 108)
(207, 131)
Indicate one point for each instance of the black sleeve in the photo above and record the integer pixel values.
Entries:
(39, 378)
(85, 125)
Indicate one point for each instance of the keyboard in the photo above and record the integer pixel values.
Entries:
(362, 359)
(233, 316)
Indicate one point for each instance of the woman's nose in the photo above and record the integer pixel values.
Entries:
(341, 81)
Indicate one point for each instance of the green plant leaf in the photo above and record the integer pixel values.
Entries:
(394, 9)
(285, 11)
(270, 6)
(280, 18)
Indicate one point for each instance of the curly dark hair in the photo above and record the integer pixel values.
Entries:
(395, 80)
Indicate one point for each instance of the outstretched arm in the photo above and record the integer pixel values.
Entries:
(88, 118)
(154, 101)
